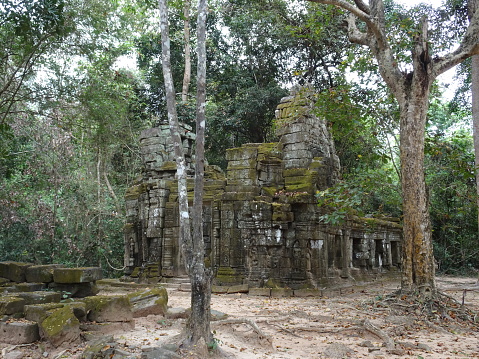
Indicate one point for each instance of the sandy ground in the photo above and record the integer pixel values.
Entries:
(326, 327)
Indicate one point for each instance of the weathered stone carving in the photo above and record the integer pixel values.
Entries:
(262, 225)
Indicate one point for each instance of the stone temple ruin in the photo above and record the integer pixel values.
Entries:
(262, 223)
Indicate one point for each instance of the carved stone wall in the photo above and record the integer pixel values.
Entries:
(262, 223)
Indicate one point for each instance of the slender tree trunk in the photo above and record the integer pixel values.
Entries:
(184, 218)
(201, 277)
(186, 31)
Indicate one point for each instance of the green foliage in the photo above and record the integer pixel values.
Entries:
(360, 194)
(450, 178)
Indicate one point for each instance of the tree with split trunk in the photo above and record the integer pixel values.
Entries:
(411, 89)
(191, 231)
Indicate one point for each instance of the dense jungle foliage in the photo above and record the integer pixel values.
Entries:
(79, 80)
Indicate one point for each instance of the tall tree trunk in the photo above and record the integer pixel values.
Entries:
(192, 243)
(184, 218)
(201, 276)
(472, 7)
(186, 33)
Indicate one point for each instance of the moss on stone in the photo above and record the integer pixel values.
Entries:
(135, 191)
(59, 320)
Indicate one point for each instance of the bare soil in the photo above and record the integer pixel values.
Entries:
(352, 323)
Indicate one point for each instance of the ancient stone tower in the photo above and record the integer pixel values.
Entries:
(262, 222)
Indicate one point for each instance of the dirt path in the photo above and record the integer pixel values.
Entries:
(314, 327)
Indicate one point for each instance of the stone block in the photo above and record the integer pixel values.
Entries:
(11, 305)
(40, 297)
(108, 309)
(29, 287)
(219, 289)
(16, 333)
(241, 288)
(75, 290)
(108, 327)
(77, 275)
(41, 273)
(281, 292)
(61, 327)
(152, 301)
(307, 293)
(241, 153)
(14, 271)
(39, 312)
(260, 292)
(4, 282)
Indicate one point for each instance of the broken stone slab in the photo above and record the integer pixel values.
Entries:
(28, 287)
(77, 275)
(61, 327)
(307, 293)
(217, 315)
(15, 354)
(41, 273)
(219, 289)
(151, 301)
(39, 312)
(40, 297)
(15, 271)
(19, 332)
(11, 304)
(108, 308)
(158, 353)
(76, 290)
(281, 292)
(241, 288)
(260, 292)
(178, 313)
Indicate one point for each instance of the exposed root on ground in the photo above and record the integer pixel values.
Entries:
(247, 321)
(438, 308)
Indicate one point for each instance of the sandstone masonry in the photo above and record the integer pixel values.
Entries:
(262, 224)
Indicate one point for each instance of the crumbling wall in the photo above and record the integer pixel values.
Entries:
(262, 223)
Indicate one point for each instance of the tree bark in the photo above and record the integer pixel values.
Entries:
(201, 276)
(184, 217)
(411, 90)
(186, 34)
(192, 242)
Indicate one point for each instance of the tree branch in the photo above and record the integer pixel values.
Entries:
(468, 47)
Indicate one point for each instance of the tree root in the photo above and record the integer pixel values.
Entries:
(249, 322)
(438, 307)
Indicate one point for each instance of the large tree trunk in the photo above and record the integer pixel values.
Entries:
(417, 261)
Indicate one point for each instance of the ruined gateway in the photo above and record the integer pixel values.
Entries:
(262, 223)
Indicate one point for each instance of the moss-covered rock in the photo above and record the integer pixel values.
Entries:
(61, 326)
(41, 273)
(108, 308)
(77, 275)
(151, 301)
(11, 305)
(14, 271)
(135, 191)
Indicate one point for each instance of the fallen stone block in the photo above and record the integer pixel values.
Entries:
(77, 275)
(242, 288)
(15, 271)
(39, 312)
(19, 332)
(152, 301)
(76, 290)
(108, 309)
(219, 289)
(307, 293)
(178, 313)
(40, 297)
(28, 287)
(60, 327)
(260, 292)
(11, 305)
(281, 292)
(41, 273)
